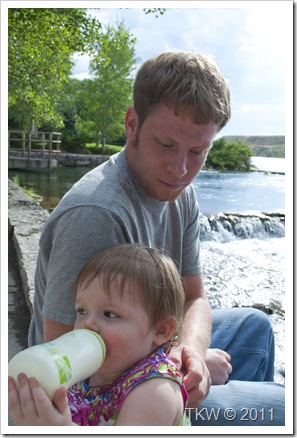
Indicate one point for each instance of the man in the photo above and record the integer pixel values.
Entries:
(143, 194)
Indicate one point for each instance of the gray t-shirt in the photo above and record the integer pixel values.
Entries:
(107, 207)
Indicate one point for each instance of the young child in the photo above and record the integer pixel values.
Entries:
(133, 297)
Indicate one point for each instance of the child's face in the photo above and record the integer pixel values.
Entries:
(121, 321)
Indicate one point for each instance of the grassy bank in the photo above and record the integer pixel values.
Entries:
(109, 149)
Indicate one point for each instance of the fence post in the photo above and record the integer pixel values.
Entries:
(42, 144)
(50, 150)
(29, 147)
(23, 143)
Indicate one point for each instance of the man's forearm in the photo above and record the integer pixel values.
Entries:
(53, 329)
(197, 324)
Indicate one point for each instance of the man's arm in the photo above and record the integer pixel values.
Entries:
(197, 319)
(195, 341)
(53, 329)
(196, 335)
(217, 361)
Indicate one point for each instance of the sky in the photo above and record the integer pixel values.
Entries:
(251, 42)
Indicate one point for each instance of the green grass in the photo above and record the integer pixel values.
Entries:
(109, 149)
(29, 192)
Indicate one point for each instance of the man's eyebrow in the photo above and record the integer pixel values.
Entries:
(203, 147)
(166, 139)
(163, 138)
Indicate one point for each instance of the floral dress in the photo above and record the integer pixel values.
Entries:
(101, 405)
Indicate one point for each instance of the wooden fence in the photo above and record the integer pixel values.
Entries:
(44, 141)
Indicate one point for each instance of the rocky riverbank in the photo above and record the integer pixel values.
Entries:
(25, 221)
(62, 159)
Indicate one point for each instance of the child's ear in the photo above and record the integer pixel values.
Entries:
(165, 331)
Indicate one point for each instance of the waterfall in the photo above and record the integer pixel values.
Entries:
(229, 226)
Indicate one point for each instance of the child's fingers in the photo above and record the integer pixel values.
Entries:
(14, 404)
(13, 394)
(26, 397)
(61, 400)
(56, 412)
(42, 402)
(30, 405)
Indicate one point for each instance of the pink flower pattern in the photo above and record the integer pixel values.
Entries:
(100, 405)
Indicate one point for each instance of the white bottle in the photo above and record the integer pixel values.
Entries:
(64, 361)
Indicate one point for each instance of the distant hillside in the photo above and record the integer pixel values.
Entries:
(262, 145)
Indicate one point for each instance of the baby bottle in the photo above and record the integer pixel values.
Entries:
(64, 361)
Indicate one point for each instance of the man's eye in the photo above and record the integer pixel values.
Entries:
(200, 153)
(110, 314)
(167, 146)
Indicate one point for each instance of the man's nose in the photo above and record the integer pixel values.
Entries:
(178, 165)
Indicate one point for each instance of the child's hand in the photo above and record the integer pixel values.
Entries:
(30, 405)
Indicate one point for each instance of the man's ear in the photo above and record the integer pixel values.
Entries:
(131, 123)
(165, 331)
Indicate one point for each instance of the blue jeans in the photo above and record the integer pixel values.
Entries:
(250, 397)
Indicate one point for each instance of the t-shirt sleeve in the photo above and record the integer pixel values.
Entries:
(69, 242)
(191, 260)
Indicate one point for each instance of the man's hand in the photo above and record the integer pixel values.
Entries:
(218, 363)
(30, 406)
(197, 377)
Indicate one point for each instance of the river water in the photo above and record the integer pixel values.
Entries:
(237, 271)
(216, 192)
(239, 192)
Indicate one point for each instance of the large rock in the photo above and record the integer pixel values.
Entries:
(25, 222)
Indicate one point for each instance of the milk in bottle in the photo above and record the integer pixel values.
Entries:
(72, 357)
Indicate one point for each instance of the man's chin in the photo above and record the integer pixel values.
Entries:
(161, 195)
(169, 197)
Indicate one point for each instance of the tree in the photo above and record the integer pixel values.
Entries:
(41, 43)
(155, 11)
(72, 106)
(229, 156)
(109, 93)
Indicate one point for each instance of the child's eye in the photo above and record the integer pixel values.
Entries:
(109, 314)
(80, 311)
